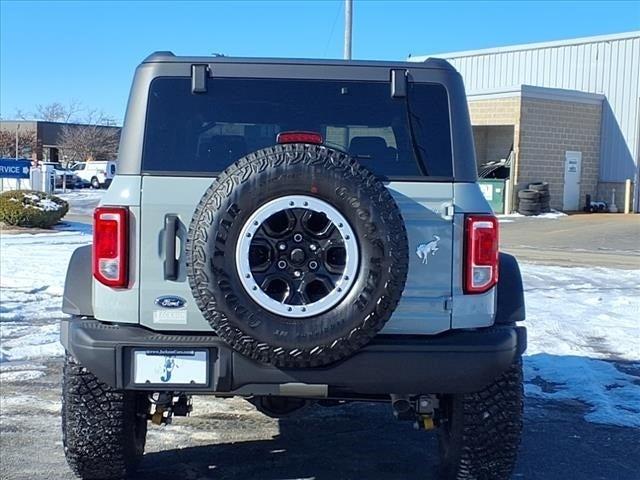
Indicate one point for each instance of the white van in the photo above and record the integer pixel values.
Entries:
(96, 174)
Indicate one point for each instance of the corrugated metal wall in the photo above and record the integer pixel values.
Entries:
(608, 65)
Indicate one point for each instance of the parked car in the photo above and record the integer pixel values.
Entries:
(294, 232)
(64, 177)
(96, 174)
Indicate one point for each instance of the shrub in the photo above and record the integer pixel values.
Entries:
(28, 208)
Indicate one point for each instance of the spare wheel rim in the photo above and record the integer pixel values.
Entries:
(297, 256)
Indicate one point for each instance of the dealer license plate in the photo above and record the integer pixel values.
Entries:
(170, 367)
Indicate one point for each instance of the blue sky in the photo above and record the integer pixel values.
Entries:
(87, 50)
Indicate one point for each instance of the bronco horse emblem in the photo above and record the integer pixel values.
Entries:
(425, 249)
(169, 364)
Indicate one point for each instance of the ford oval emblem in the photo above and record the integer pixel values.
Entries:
(170, 301)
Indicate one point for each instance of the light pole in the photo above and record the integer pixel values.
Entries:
(348, 24)
(17, 145)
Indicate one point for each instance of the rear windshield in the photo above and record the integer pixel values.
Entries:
(204, 133)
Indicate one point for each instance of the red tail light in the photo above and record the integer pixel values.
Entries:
(481, 253)
(110, 240)
(299, 137)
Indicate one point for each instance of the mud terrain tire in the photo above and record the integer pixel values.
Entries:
(480, 436)
(103, 429)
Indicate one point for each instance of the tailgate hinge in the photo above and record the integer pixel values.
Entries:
(449, 211)
(448, 304)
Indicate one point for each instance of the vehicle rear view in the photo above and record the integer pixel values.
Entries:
(290, 232)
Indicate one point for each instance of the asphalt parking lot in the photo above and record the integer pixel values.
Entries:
(604, 240)
(229, 439)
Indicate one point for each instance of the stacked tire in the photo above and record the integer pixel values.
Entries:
(534, 200)
(543, 195)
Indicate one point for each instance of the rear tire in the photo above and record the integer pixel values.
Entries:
(103, 429)
(95, 183)
(480, 436)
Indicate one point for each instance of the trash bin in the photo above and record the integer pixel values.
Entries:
(494, 191)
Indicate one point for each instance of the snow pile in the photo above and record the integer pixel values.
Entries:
(43, 204)
(584, 339)
(31, 200)
(589, 312)
(32, 272)
(552, 215)
(82, 202)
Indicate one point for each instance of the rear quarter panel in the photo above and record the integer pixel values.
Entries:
(468, 311)
(121, 305)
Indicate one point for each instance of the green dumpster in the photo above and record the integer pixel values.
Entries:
(493, 191)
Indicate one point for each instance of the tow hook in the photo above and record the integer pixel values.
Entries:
(421, 410)
(158, 418)
(167, 405)
(426, 410)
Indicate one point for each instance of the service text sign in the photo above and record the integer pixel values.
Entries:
(11, 168)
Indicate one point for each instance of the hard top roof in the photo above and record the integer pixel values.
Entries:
(170, 57)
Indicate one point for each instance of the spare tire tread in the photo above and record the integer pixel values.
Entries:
(198, 256)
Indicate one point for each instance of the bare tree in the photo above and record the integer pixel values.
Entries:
(93, 138)
(55, 112)
(98, 117)
(22, 115)
(89, 142)
(26, 143)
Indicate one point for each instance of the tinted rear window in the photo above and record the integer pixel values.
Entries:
(205, 133)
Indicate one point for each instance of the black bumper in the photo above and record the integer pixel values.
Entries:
(454, 362)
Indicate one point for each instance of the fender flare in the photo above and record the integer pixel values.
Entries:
(78, 291)
(510, 306)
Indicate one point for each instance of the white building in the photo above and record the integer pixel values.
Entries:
(547, 89)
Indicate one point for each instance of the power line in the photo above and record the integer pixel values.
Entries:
(333, 26)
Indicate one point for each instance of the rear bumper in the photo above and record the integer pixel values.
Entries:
(455, 362)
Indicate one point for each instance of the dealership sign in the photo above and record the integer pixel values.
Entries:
(11, 168)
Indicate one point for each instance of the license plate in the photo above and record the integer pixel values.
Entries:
(170, 367)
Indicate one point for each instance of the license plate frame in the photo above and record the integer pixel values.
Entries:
(169, 367)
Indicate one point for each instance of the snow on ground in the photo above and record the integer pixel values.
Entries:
(32, 271)
(584, 339)
(552, 215)
(583, 324)
(82, 202)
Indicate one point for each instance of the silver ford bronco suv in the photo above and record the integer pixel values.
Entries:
(291, 232)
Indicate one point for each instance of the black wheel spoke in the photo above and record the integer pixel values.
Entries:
(297, 255)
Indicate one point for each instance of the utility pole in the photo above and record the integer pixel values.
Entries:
(348, 24)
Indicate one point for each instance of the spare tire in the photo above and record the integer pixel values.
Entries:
(297, 255)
